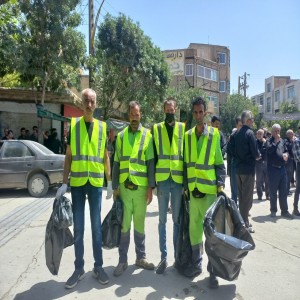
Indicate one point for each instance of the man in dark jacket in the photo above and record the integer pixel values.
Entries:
(246, 155)
(277, 155)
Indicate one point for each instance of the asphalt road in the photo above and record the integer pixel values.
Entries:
(271, 271)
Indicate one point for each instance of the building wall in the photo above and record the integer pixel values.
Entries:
(206, 56)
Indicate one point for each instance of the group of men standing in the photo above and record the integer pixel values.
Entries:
(173, 160)
(269, 160)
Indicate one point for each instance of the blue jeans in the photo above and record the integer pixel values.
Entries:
(164, 188)
(94, 195)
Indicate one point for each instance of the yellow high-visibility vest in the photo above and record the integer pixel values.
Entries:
(170, 156)
(201, 169)
(133, 160)
(87, 155)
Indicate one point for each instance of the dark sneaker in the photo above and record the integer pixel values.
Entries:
(143, 263)
(192, 271)
(73, 280)
(162, 266)
(287, 215)
(100, 275)
(121, 267)
(213, 281)
(273, 214)
(296, 212)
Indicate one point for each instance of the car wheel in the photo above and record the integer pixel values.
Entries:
(38, 185)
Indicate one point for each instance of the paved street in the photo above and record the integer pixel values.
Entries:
(271, 271)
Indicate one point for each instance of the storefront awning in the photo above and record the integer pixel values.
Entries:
(43, 113)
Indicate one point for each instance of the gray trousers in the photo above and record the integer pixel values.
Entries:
(245, 185)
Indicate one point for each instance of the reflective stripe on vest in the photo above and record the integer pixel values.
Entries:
(170, 156)
(200, 168)
(132, 160)
(87, 154)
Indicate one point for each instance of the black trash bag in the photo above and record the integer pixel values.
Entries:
(227, 239)
(183, 257)
(55, 241)
(62, 213)
(111, 226)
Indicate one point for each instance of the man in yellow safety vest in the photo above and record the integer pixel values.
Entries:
(168, 139)
(133, 178)
(204, 179)
(86, 162)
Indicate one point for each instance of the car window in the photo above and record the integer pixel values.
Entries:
(42, 148)
(16, 149)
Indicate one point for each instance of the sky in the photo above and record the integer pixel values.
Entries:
(263, 35)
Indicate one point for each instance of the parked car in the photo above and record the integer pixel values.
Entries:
(27, 164)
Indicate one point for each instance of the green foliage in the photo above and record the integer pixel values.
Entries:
(128, 67)
(288, 108)
(49, 51)
(232, 108)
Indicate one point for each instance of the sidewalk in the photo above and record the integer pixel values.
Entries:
(271, 271)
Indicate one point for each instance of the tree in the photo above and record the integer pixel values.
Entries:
(127, 66)
(10, 36)
(232, 108)
(53, 50)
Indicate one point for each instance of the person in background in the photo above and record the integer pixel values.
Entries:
(216, 123)
(10, 135)
(296, 153)
(86, 161)
(22, 135)
(133, 179)
(55, 144)
(5, 131)
(35, 134)
(231, 159)
(204, 179)
(168, 153)
(277, 156)
(289, 141)
(261, 166)
(246, 154)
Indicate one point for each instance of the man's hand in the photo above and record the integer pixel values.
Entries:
(149, 195)
(221, 191)
(61, 191)
(109, 190)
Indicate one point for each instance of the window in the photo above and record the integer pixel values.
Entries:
(215, 100)
(222, 86)
(291, 92)
(16, 149)
(268, 87)
(222, 58)
(253, 100)
(207, 73)
(189, 70)
(268, 104)
(261, 100)
(277, 96)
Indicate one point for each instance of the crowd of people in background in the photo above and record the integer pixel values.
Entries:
(49, 138)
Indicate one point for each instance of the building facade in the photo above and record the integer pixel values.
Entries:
(278, 90)
(204, 66)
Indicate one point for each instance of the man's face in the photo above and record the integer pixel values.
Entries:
(169, 108)
(134, 117)
(35, 129)
(259, 135)
(216, 124)
(199, 114)
(290, 135)
(23, 132)
(275, 132)
(88, 103)
(5, 132)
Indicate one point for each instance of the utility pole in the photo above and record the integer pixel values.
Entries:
(243, 85)
(91, 40)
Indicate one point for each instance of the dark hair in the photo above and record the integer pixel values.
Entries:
(237, 120)
(23, 128)
(199, 101)
(214, 119)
